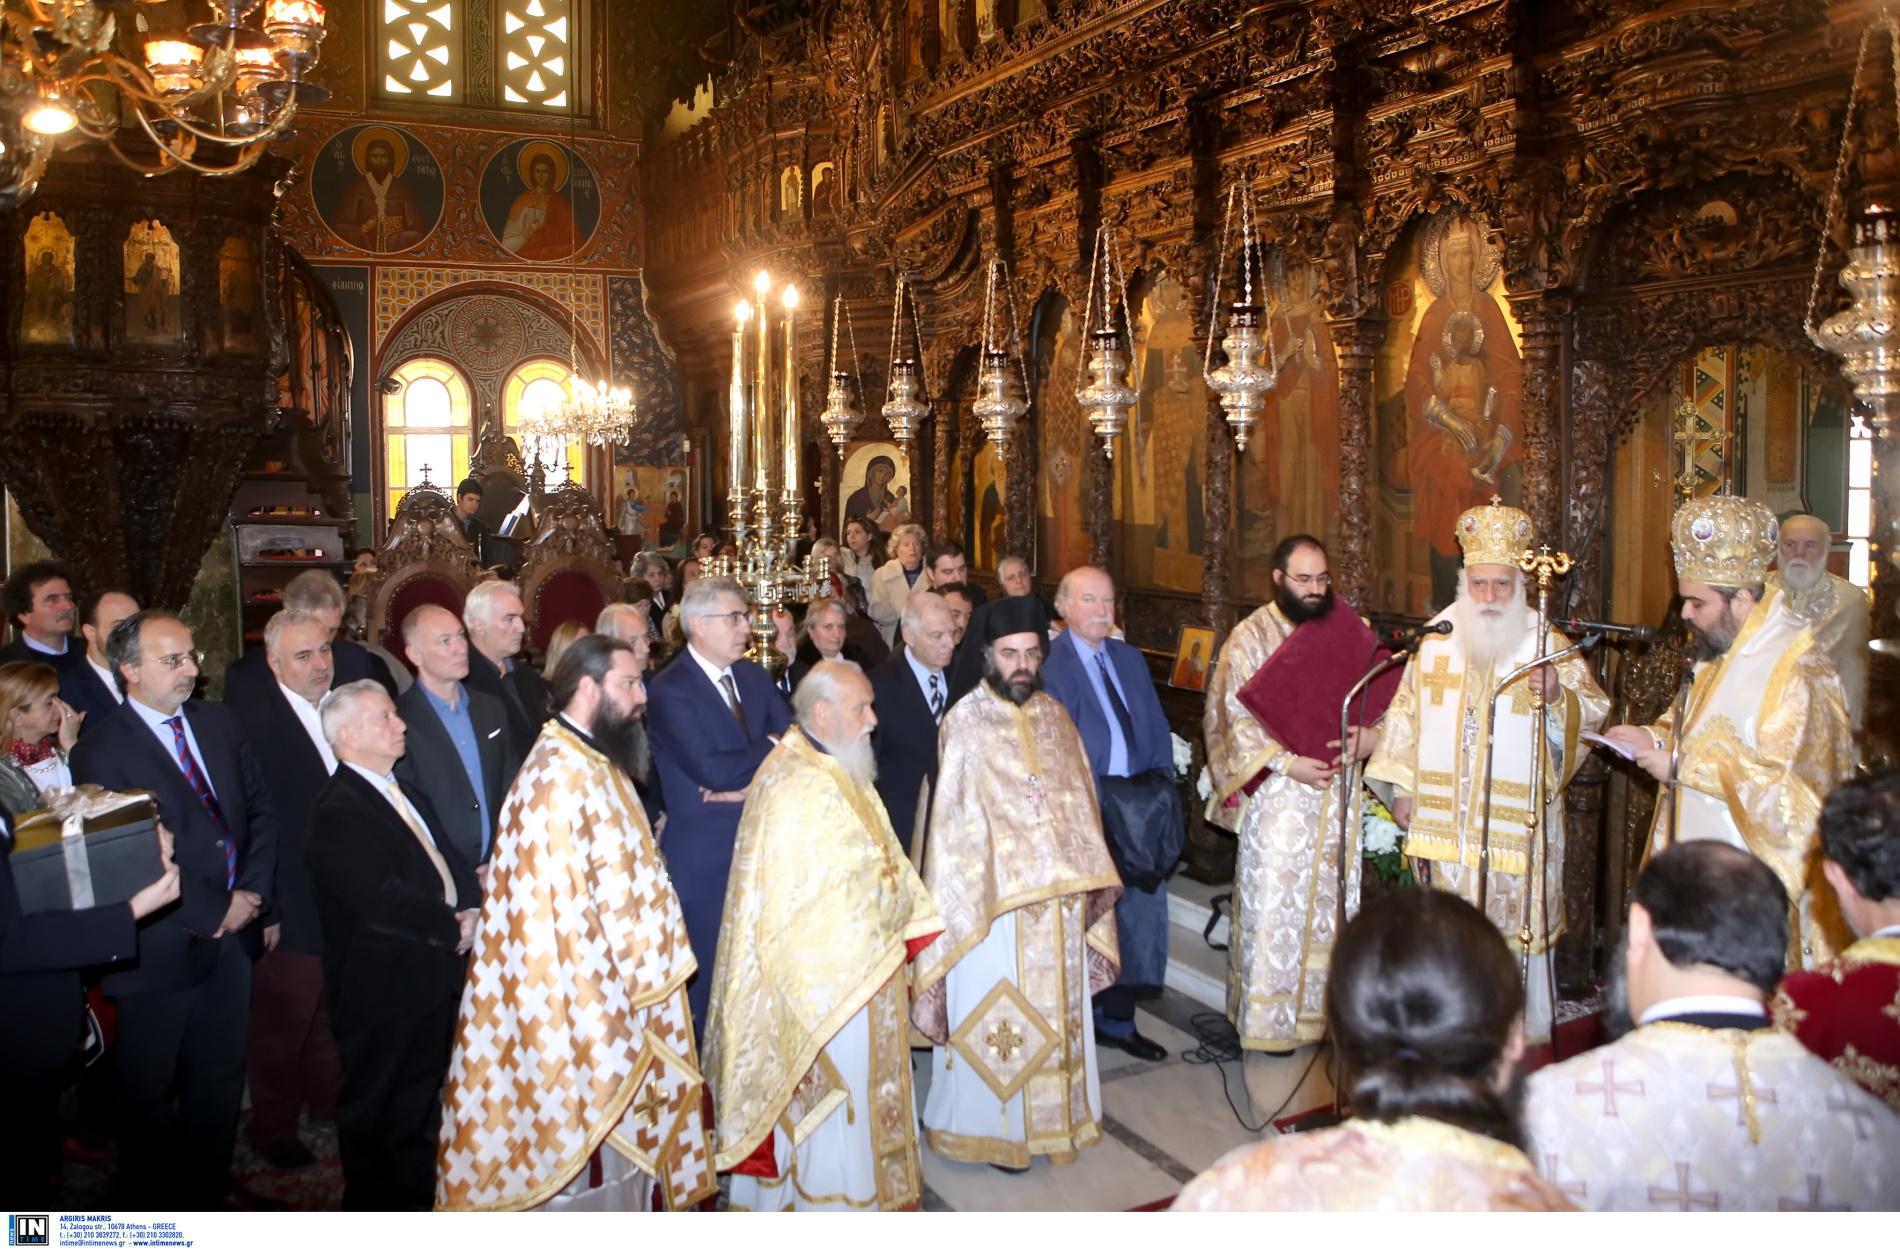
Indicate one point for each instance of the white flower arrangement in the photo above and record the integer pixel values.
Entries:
(1183, 756)
(1382, 836)
(1204, 785)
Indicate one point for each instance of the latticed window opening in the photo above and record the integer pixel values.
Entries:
(421, 49)
(536, 63)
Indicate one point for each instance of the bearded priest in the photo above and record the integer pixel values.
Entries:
(1433, 750)
(1014, 857)
(1765, 736)
(807, 1044)
(1273, 750)
(573, 1085)
(1834, 607)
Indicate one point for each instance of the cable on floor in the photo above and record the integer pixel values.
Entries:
(1219, 1044)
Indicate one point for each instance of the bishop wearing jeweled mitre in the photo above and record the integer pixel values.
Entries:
(1434, 749)
(1765, 736)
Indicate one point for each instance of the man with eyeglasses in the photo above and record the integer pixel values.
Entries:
(1275, 773)
(712, 718)
(184, 1009)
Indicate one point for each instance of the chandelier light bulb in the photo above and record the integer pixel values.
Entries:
(745, 311)
(791, 296)
(49, 117)
(762, 283)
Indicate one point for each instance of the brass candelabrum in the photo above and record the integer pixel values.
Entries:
(765, 501)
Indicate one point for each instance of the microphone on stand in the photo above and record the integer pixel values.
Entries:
(1408, 638)
(1628, 633)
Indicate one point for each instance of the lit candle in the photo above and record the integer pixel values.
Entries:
(736, 402)
(762, 396)
(174, 65)
(788, 409)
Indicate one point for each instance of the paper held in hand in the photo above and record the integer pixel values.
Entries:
(1600, 740)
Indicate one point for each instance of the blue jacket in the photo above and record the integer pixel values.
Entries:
(1066, 678)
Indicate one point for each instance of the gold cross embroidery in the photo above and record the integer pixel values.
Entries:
(1520, 692)
(1005, 1039)
(1441, 679)
(652, 1104)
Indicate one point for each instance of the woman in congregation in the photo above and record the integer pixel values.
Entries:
(39, 732)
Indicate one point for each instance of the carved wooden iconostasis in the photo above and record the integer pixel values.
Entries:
(1499, 244)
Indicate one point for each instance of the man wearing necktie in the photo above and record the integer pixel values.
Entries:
(184, 1008)
(912, 690)
(712, 718)
(1105, 685)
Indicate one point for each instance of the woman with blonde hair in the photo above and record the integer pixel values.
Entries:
(566, 634)
(37, 732)
(892, 584)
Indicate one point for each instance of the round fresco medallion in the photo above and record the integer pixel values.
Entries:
(540, 199)
(377, 188)
(486, 333)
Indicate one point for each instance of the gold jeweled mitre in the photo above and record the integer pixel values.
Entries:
(1494, 533)
(1724, 540)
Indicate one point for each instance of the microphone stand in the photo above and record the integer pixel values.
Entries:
(1349, 767)
(1672, 789)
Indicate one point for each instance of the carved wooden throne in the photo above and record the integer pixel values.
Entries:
(424, 560)
(568, 572)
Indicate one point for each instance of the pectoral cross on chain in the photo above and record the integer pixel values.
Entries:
(1440, 680)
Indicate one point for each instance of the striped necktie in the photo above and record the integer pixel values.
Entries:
(202, 788)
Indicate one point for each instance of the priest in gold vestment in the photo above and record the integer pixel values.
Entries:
(1015, 859)
(1766, 735)
(1834, 608)
(574, 1084)
(1286, 883)
(807, 1035)
(1433, 749)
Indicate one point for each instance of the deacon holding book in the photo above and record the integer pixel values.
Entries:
(1433, 750)
(1273, 749)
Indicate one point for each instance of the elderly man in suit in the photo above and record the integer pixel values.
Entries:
(462, 753)
(88, 687)
(496, 628)
(712, 716)
(912, 690)
(398, 906)
(183, 1009)
(1104, 684)
(316, 592)
(290, 1062)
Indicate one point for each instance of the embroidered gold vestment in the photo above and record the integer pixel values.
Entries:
(1015, 831)
(1286, 882)
(1766, 739)
(1837, 611)
(822, 908)
(1413, 1164)
(1676, 1117)
(574, 1033)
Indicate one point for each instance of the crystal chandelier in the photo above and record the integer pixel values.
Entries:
(999, 403)
(1107, 399)
(841, 415)
(1866, 334)
(1243, 381)
(593, 413)
(907, 406)
(208, 98)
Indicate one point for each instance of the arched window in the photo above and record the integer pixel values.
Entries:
(427, 425)
(529, 387)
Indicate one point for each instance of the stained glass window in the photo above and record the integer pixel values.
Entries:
(426, 428)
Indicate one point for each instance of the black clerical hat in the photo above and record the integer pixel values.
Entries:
(1014, 614)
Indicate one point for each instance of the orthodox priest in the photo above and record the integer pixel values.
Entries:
(807, 1043)
(1765, 736)
(1433, 750)
(1014, 857)
(573, 1085)
(1282, 797)
(1834, 607)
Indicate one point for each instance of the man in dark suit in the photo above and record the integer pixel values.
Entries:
(1104, 684)
(398, 907)
(316, 592)
(496, 628)
(950, 567)
(912, 690)
(712, 716)
(462, 755)
(290, 1061)
(88, 687)
(468, 501)
(39, 600)
(183, 1008)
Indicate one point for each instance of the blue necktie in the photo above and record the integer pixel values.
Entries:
(202, 789)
